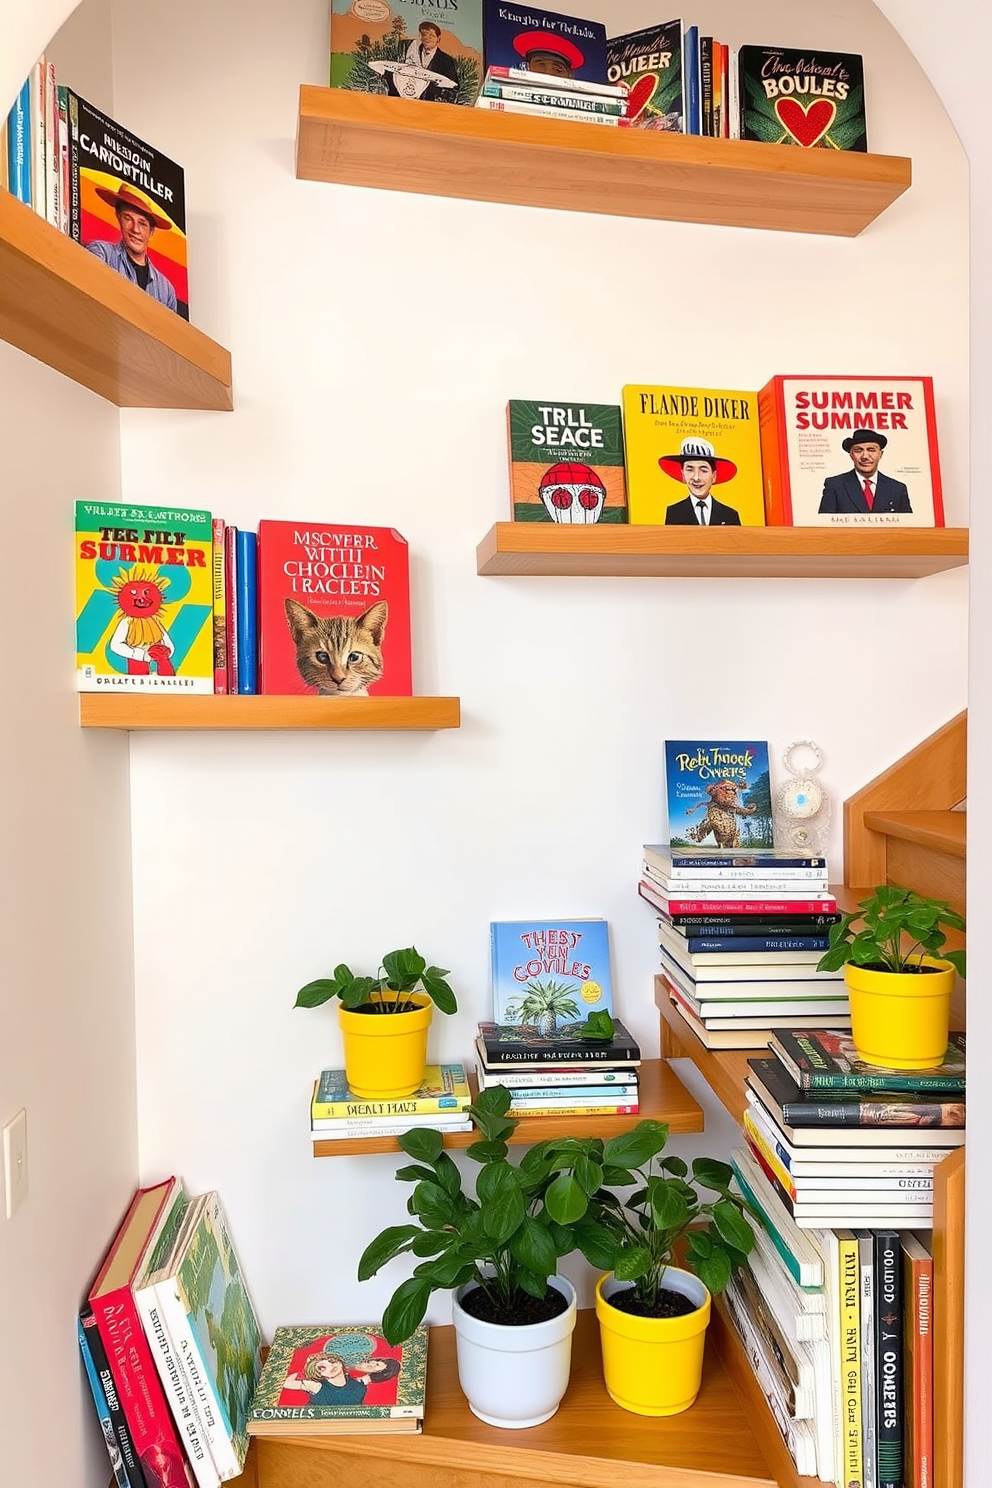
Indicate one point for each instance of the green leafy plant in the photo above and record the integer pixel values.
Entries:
(898, 927)
(543, 1004)
(639, 1236)
(598, 1027)
(402, 972)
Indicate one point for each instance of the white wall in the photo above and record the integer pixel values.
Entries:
(376, 339)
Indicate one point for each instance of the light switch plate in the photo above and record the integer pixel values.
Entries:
(15, 1162)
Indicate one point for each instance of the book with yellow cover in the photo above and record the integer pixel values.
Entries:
(850, 1358)
(144, 599)
(693, 457)
(444, 1089)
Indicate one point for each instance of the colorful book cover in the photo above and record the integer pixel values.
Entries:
(890, 1108)
(693, 457)
(334, 610)
(220, 608)
(122, 1477)
(550, 973)
(231, 604)
(823, 1059)
(650, 63)
(850, 1358)
(246, 599)
(889, 1358)
(719, 793)
(144, 599)
(334, 1377)
(443, 1088)
(544, 41)
(426, 49)
(566, 462)
(810, 98)
(128, 204)
(824, 438)
(19, 145)
(917, 1290)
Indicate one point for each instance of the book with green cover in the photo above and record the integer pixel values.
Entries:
(340, 1377)
(826, 1059)
(566, 462)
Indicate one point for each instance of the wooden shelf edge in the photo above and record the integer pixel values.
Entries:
(663, 1097)
(204, 711)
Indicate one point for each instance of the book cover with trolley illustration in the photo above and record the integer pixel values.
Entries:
(719, 793)
(804, 97)
(649, 62)
(144, 599)
(547, 972)
(566, 462)
(420, 49)
(340, 1378)
(693, 457)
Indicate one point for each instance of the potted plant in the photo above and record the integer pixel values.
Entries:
(384, 1020)
(498, 1254)
(899, 976)
(653, 1313)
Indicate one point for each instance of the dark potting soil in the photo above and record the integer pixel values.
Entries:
(668, 1305)
(913, 967)
(377, 1010)
(526, 1309)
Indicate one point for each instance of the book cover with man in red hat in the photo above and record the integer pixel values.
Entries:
(693, 456)
(127, 205)
(561, 46)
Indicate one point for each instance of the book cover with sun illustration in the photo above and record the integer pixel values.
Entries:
(144, 599)
(545, 967)
(340, 1378)
(792, 96)
(693, 457)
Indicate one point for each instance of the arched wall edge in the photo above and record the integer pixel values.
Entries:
(26, 27)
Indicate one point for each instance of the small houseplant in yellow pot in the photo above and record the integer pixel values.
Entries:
(899, 976)
(384, 1021)
(653, 1313)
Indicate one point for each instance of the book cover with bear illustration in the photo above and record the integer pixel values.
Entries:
(566, 462)
(719, 793)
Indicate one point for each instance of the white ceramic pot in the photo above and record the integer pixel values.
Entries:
(514, 1377)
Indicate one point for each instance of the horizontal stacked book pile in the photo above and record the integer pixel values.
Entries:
(514, 90)
(441, 1103)
(740, 935)
(563, 1076)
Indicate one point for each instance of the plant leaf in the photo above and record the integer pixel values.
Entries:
(668, 1206)
(487, 1152)
(414, 1174)
(534, 1286)
(714, 1270)
(438, 990)
(565, 1200)
(403, 969)
(432, 1205)
(406, 1310)
(711, 1174)
(531, 1246)
(316, 993)
(732, 1227)
(433, 1242)
(422, 1143)
(633, 1262)
(599, 1247)
(501, 1202)
(392, 1242)
(588, 1174)
(634, 1148)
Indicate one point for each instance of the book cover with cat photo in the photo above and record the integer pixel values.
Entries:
(719, 793)
(693, 457)
(566, 462)
(333, 611)
(802, 96)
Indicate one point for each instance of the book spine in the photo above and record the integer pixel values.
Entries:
(785, 878)
(769, 1158)
(375, 1110)
(792, 1264)
(75, 210)
(138, 1387)
(907, 1114)
(814, 885)
(65, 169)
(577, 1095)
(690, 61)
(220, 608)
(850, 1349)
(525, 1109)
(888, 1358)
(377, 1129)
(497, 1056)
(222, 1450)
(19, 145)
(869, 1396)
(727, 926)
(52, 165)
(231, 604)
(693, 860)
(4, 154)
(39, 87)
(544, 111)
(771, 429)
(706, 85)
(546, 96)
(570, 85)
(729, 945)
(679, 905)
(176, 1385)
(247, 613)
(127, 1473)
(558, 1079)
(918, 1376)
(916, 1083)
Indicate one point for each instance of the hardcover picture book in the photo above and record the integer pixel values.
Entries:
(420, 49)
(650, 63)
(344, 1378)
(693, 457)
(850, 451)
(719, 793)
(333, 610)
(805, 97)
(127, 204)
(550, 972)
(824, 1059)
(144, 599)
(543, 41)
(566, 462)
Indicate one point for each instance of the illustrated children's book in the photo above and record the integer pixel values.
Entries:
(127, 204)
(850, 452)
(144, 599)
(340, 1378)
(805, 97)
(693, 457)
(334, 610)
(566, 462)
(542, 41)
(443, 1088)
(426, 49)
(550, 972)
(650, 63)
(719, 793)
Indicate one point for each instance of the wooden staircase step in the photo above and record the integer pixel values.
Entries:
(942, 831)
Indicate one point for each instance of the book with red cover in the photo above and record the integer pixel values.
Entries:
(810, 462)
(917, 1288)
(334, 610)
(153, 1431)
(722, 904)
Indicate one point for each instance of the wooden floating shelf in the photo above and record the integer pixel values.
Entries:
(533, 549)
(432, 149)
(663, 1097)
(205, 711)
(63, 306)
(589, 1442)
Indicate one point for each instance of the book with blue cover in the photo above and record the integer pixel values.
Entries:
(719, 793)
(247, 608)
(550, 974)
(542, 41)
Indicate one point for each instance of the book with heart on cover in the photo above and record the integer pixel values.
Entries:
(802, 96)
(340, 1378)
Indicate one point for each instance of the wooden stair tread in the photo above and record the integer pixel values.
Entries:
(942, 831)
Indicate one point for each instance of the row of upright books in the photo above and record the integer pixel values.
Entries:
(811, 451)
(94, 180)
(666, 76)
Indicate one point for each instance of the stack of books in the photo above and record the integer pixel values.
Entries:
(441, 1103)
(841, 1142)
(514, 90)
(563, 1075)
(740, 935)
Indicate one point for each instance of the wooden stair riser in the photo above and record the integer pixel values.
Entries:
(931, 873)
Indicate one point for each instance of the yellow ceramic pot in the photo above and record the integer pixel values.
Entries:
(385, 1054)
(653, 1366)
(899, 1020)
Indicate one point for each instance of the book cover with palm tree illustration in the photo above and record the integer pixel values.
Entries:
(549, 975)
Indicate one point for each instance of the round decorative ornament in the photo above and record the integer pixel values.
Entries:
(802, 807)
